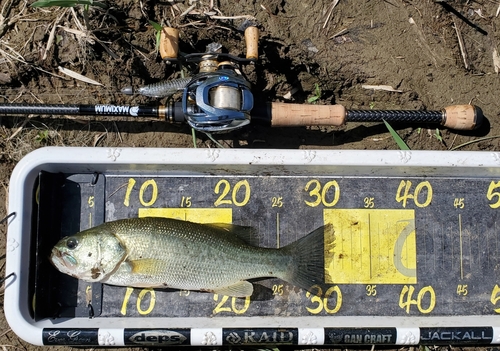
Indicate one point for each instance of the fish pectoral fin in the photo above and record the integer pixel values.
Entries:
(240, 289)
(143, 266)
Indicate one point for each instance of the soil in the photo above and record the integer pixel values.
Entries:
(316, 49)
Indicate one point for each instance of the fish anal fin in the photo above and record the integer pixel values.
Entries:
(240, 289)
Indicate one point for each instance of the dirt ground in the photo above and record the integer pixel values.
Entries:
(434, 53)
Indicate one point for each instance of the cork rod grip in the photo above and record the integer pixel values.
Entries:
(290, 115)
(462, 117)
(252, 42)
(169, 43)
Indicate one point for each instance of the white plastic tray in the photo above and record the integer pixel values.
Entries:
(310, 330)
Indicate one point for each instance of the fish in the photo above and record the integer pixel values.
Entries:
(156, 252)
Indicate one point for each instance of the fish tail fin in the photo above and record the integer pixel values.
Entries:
(307, 264)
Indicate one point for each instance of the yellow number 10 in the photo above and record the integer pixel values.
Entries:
(144, 187)
(140, 298)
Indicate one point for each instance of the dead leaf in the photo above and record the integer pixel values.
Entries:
(78, 76)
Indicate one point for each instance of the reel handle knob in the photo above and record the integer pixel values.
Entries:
(252, 42)
(169, 43)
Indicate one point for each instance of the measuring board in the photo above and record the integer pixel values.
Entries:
(414, 257)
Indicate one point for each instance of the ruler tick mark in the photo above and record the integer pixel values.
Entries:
(370, 244)
(461, 247)
(278, 230)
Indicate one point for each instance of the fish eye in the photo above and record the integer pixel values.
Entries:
(71, 243)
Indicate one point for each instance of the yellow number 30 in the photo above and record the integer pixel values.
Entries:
(322, 302)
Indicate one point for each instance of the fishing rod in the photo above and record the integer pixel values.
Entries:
(275, 114)
(219, 99)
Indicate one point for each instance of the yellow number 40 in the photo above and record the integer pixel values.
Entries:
(405, 193)
(406, 299)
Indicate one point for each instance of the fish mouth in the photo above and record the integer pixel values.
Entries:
(62, 260)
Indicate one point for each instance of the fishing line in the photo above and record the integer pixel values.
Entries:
(6, 92)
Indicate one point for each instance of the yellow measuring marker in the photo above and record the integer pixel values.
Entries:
(198, 215)
(372, 246)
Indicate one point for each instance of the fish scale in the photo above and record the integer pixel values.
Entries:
(169, 253)
(197, 253)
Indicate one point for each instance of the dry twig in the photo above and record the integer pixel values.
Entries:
(461, 44)
(423, 42)
(248, 17)
(52, 35)
(329, 12)
(341, 32)
(381, 87)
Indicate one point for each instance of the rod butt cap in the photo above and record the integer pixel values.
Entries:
(463, 117)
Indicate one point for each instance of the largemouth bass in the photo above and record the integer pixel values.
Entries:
(170, 253)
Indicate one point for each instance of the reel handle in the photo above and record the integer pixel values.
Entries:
(458, 117)
(169, 43)
(252, 42)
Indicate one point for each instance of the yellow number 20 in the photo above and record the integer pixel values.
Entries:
(224, 188)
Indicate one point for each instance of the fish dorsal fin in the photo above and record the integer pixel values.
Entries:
(247, 234)
(240, 289)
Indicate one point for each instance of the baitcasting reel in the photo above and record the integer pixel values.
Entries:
(217, 99)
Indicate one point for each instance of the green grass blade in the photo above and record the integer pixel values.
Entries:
(156, 26)
(402, 145)
(193, 134)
